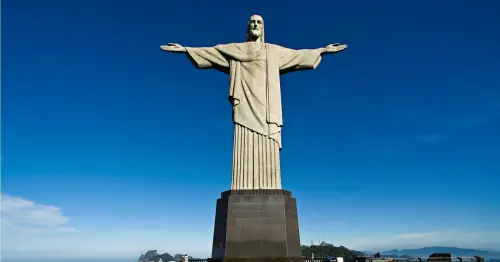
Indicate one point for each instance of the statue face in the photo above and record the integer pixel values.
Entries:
(255, 26)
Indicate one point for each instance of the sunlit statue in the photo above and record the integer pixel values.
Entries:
(254, 68)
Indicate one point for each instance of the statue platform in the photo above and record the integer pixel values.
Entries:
(256, 224)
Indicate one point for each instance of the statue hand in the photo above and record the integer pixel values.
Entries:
(172, 47)
(333, 48)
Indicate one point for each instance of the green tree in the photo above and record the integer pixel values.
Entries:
(325, 250)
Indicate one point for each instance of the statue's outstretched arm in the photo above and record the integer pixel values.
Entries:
(333, 48)
(290, 60)
(201, 57)
(172, 47)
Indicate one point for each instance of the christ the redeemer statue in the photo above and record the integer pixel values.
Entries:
(254, 68)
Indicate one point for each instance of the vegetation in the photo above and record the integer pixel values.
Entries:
(164, 257)
(325, 250)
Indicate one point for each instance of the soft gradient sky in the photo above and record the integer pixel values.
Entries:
(111, 147)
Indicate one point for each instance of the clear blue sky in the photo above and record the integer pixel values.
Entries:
(111, 146)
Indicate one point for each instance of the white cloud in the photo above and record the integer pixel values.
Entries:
(22, 213)
(26, 224)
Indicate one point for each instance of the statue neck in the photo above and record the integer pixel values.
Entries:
(258, 40)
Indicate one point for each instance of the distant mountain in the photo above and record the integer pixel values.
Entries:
(454, 251)
(325, 250)
(148, 256)
(152, 255)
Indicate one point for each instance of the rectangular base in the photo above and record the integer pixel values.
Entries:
(256, 224)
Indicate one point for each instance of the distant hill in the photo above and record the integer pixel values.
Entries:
(325, 250)
(455, 252)
(152, 255)
(148, 256)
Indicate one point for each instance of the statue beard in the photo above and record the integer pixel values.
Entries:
(250, 38)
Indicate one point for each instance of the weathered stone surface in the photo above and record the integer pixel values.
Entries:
(254, 68)
(256, 224)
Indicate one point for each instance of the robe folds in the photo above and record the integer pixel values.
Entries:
(255, 94)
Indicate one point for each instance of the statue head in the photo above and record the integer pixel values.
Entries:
(255, 28)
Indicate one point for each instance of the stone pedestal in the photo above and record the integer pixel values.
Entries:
(256, 224)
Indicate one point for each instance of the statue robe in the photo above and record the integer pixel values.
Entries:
(254, 69)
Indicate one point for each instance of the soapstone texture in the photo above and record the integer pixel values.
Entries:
(254, 69)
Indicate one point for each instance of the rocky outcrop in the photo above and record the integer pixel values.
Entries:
(152, 255)
(148, 256)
